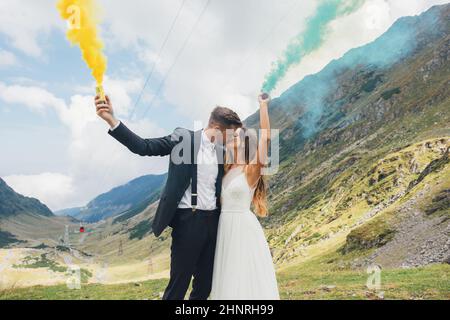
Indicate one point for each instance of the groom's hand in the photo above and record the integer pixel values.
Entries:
(105, 110)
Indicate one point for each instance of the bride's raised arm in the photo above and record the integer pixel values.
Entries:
(254, 171)
(264, 138)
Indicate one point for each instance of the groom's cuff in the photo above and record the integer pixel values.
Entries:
(115, 127)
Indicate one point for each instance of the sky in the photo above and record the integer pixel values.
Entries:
(52, 144)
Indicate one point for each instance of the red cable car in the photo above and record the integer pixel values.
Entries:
(81, 228)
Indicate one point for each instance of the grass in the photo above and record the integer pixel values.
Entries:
(330, 278)
(41, 262)
(140, 230)
(146, 290)
(386, 95)
(300, 284)
(373, 234)
(371, 84)
(7, 238)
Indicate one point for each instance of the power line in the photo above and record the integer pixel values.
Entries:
(180, 51)
(174, 21)
(182, 48)
(264, 39)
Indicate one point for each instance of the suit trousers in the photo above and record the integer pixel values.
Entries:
(193, 247)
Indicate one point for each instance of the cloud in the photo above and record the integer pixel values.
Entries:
(7, 59)
(97, 162)
(28, 23)
(36, 98)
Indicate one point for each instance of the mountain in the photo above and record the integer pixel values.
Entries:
(124, 201)
(69, 211)
(27, 222)
(364, 166)
(12, 203)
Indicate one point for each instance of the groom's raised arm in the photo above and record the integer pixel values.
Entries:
(145, 147)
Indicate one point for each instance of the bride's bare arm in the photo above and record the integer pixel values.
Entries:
(254, 171)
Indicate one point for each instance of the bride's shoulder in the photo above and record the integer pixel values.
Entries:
(253, 174)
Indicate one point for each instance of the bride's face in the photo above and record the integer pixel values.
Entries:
(235, 146)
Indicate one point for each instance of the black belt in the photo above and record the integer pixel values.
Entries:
(189, 210)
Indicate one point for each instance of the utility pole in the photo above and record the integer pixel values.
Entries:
(66, 236)
(120, 248)
(150, 261)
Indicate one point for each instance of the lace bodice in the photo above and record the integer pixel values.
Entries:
(236, 193)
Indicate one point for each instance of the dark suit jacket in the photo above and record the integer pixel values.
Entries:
(179, 175)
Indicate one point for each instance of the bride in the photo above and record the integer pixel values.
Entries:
(243, 267)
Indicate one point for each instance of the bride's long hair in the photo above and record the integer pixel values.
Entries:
(260, 195)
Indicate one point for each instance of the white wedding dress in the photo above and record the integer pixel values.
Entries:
(243, 266)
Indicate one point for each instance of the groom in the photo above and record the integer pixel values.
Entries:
(190, 202)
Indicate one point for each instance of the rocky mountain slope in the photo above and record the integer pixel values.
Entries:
(360, 142)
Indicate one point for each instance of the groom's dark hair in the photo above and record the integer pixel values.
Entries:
(224, 117)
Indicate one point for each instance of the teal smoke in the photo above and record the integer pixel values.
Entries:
(309, 40)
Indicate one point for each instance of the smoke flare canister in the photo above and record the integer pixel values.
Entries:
(100, 92)
(265, 96)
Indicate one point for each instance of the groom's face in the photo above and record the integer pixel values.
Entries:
(224, 134)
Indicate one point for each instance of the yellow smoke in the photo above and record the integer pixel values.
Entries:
(81, 16)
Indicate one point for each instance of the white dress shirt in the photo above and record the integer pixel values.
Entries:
(115, 127)
(207, 171)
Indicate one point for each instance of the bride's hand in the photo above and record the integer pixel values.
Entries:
(264, 98)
